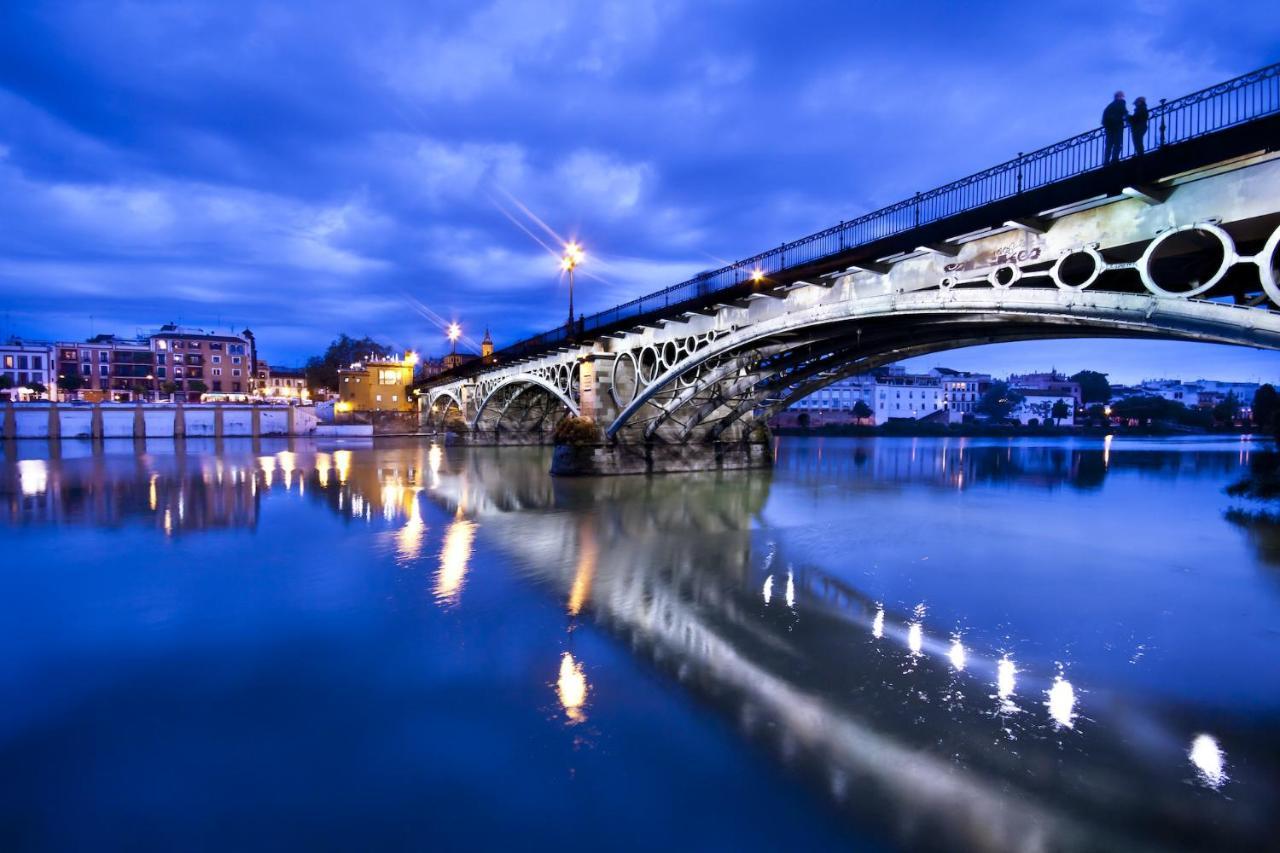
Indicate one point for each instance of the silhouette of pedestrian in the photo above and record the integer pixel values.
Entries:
(1138, 126)
(1113, 118)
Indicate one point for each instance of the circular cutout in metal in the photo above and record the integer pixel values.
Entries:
(648, 365)
(624, 380)
(1269, 266)
(1078, 268)
(1188, 260)
(1004, 276)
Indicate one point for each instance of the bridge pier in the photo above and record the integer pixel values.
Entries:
(615, 459)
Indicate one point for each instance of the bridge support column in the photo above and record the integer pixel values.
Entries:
(595, 389)
(614, 459)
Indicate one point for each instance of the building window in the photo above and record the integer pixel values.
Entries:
(103, 369)
(378, 397)
(235, 359)
(389, 377)
(235, 372)
(160, 372)
(217, 371)
(102, 355)
(393, 398)
(217, 359)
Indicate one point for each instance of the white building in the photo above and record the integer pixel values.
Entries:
(908, 396)
(961, 391)
(27, 363)
(1037, 405)
(840, 396)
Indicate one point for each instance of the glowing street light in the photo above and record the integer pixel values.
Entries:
(572, 257)
(757, 275)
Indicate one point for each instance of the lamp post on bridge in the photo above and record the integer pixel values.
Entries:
(572, 257)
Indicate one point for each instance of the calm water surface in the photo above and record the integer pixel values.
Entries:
(882, 644)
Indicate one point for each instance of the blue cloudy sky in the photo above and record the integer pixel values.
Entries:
(312, 168)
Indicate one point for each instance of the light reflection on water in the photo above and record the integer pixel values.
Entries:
(855, 679)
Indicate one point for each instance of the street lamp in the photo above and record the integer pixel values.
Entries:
(455, 332)
(572, 257)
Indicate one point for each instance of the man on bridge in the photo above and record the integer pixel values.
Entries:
(1113, 118)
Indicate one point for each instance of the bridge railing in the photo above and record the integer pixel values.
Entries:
(1247, 97)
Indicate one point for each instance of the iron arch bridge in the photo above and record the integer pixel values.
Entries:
(1182, 244)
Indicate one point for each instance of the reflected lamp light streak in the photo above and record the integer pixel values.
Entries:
(454, 556)
(33, 476)
(1210, 763)
(1062, 703)
(571, 687)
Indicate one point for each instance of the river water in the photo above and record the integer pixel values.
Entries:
(882, 644)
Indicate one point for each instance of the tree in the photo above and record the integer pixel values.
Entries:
(1226, 411)
(1094, 387)
(197, 387)
(39, 388)
(998, 401)
(803, 420)
(5, 383)
(1060, 410)
(71, 382)
(861, 410)
(169, 388)
(1157, 409)
(322, 370)
(1266, 404)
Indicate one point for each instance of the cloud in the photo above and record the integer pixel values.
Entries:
(306, 168)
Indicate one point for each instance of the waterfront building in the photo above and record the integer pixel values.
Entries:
(1037, 406)
(1050, 383)
(190, 362)
(961, 391)
(377, 384)
(281, 383)
(839, 397)
(110, 369)
(911, 396)
(25, 364)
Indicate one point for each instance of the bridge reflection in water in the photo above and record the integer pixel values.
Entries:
(932, 731)
(902, 722)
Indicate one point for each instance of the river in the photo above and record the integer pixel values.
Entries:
(985, 644)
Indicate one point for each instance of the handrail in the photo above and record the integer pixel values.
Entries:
(1245, 98)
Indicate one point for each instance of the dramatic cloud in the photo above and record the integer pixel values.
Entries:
(309, 169)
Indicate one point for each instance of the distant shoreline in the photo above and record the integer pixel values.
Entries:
(1002, 431)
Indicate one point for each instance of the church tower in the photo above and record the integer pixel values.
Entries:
(486, 346)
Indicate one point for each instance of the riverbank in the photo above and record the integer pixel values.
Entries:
(975, 430)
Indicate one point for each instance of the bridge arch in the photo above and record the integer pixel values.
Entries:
(764, 368)
(505, 392)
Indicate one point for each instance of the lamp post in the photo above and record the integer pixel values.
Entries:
(572, 257)
(455, 332)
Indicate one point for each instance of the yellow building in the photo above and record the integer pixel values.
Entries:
(377, 384)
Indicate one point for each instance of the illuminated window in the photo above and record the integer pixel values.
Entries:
(389, 377)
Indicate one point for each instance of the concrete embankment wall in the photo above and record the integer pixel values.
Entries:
(153, 420)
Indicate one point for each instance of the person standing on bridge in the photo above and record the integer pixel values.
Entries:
(1138, 126)
(1113, 119)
